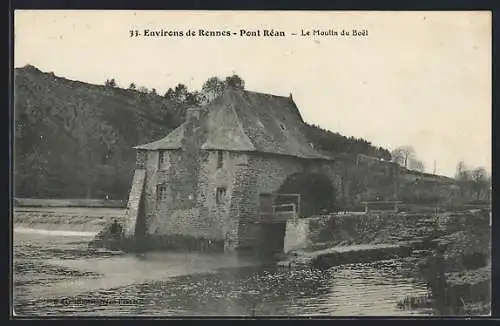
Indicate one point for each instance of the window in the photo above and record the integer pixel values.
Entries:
(161, 159)
(220, 194)
(219, 159)
(161, 192)
(141, 159)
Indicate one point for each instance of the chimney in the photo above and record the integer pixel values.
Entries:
(290, 97)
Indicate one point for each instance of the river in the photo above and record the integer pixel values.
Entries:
(55, 275)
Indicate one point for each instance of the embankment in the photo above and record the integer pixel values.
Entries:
(328, 231)
(321, 232)
(465, 234)
(455, 261)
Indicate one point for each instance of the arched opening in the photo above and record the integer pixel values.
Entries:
(311, 193)
(316, 190)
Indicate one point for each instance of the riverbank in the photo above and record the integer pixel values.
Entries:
(466, 292)
(451, 250)
(462, 260)
(387, 229)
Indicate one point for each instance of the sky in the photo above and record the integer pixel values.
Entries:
(417, 78)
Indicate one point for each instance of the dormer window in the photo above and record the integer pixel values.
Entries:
(219, 159)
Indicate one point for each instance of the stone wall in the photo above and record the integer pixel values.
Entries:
(184, 209)
(356, 228)
(416, 189)
(189, 207)
(226, 177)
(133, 212)
(373, 179)
(356, 181)
(297, 235)
(320, 232)
(261, 174)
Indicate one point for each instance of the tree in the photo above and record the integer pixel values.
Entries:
(235, 81)
(132, 86)
(479, 181)
(461, 168)
(195, 98)
(92, 137)
(417, 165)
(181, 93)
(170, 94)
(474, 183)
(110, 83)
(403, 155)
(143, 89)
(212, 88)
(153, 91)
(382, 153)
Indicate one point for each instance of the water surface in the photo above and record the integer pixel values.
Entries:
(55, 275)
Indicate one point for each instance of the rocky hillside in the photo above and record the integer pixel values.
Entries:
(74, 139)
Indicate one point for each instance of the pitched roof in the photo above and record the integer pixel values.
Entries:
(241, 120)
(172, 141)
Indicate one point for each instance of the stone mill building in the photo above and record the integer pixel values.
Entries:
(232, 174)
